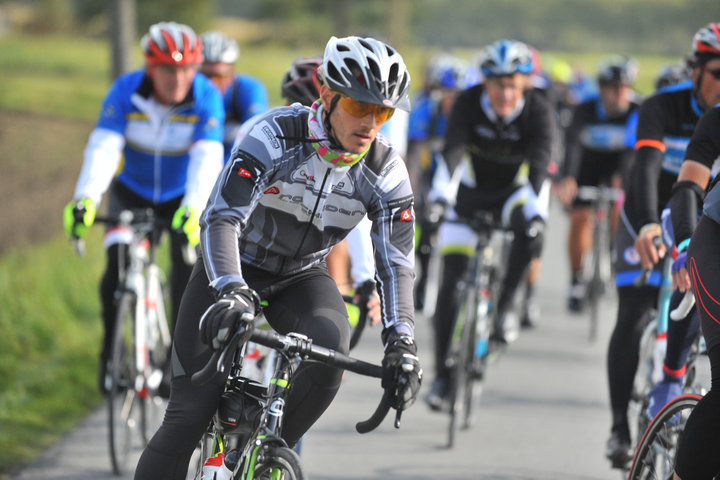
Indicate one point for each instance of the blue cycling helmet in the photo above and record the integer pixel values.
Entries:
(445, 71)
(506, 57)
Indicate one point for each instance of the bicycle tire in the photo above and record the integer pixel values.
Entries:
(655, 455)
(458, 360)
(279, 463)
(125, 407)
(158, 347)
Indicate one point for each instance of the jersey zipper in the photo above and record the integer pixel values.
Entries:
(312, 215)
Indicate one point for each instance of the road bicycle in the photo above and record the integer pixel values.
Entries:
(598, 268)
(471, 349)
(141, 339)
(258, 450)
(655, 453)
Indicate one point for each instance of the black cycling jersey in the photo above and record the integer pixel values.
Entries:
(596, 143)
(705, 148)
(666, 123)
(498, 147)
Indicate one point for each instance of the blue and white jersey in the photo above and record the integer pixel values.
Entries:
(245, 98)
(168, 151)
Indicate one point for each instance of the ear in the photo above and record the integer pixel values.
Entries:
(326, 96)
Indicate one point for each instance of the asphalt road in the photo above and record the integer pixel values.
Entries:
(543, 414)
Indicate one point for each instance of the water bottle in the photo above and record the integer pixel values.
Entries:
(221, 466)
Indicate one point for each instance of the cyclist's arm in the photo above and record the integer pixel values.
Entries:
(393, 234)
(102, 158)
(539, 142)
(573, 147)
(456, 132)
(236, 193)
(206, 152)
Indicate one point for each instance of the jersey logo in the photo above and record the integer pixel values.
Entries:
(406, 216)
(272, 190)
(244, 173)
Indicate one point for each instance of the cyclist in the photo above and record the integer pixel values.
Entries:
(243, 95)
(301, 84)
(506, 129)
(444, 78)
(687, 193)
(666, 122)
(165, 121)
(298, 181)
(598, 151)
(697, 451)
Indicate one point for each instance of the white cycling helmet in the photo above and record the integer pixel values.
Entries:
(366, 70)
(617, 69)
(706, 43)
(506, 57)
(219, 48)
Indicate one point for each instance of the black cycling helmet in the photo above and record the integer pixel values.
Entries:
(300, 83)
(617, 69)
(366, 70)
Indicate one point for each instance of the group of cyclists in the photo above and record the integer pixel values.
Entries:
(269, 196)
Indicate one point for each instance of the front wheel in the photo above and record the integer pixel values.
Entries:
(279, 463)
(655, 455)
(125, 406)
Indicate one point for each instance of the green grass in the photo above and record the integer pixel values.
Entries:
(51, 330)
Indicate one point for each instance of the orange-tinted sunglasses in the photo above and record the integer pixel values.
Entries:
(361, 109)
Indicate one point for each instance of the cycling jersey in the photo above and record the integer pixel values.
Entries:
(705, 149)
(168, 151)
(598, 146)
(276, 175)
(245, 98)
(427, 121)
(665, 124)
(497, 148)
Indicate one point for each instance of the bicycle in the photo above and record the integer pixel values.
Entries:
(599, 268)
(262, 451)
(471, 349)
(141, 339)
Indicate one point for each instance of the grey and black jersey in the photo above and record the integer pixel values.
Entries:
(280, 207)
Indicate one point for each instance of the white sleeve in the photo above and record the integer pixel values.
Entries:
(360, 248)
(102, 157)
(206, 162)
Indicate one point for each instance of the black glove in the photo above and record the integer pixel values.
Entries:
(235, 309)
(402, 374)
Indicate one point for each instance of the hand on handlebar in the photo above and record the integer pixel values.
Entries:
(187, 220)
(366, 294)
(78, 216)
(680, 277)
(649, 245)
(402, 374)
(233, 311)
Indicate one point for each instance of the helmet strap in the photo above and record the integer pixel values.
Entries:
(334, 144)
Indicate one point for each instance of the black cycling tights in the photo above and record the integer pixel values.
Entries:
(622, 359)
(308, 303)
(697, 457)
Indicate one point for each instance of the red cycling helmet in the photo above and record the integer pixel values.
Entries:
(170, 43)
(706, 43)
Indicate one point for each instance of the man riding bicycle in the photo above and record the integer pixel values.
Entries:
(165, 122)
(666, 123)
(597, 152)
(243, 95)
(507, 131)
(298, 181)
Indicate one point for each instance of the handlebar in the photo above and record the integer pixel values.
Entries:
(302, 347)
(686, 304)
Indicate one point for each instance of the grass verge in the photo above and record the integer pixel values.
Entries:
(51, 334)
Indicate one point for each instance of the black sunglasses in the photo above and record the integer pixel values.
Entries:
(715, 73)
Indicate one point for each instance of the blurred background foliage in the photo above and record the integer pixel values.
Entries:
(659, 27)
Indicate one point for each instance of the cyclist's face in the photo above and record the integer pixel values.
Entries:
(354, 133)
(709, 93)
(172, 83)
(221, 74)
(615, 98)
(505, 92)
